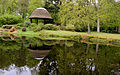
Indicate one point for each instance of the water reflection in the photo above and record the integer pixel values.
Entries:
(13, 70)
(8, 37)
(33, 56)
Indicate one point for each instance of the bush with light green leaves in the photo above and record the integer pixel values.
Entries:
(50, 27)
(10, 19)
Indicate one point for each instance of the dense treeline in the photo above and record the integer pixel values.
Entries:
(78, 15)
(19, 7)
(93, 13)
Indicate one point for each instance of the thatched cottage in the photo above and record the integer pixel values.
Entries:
(40, 13)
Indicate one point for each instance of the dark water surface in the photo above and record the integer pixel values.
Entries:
(33, 56)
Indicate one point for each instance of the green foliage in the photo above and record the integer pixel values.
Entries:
(35, 4)
(83, 12)
(79, 12)
(38, 28)
(27, 23)
(79, 28)
(10, 19)
(53, 7)
(70, 27)
(19, 25)
(50, 27)
(23, 7)
(41, 24)
(64, 12)
(7, 6)
(34, 27)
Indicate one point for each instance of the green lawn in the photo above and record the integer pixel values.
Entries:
(67, 34)
(93, 34)
(106, 35)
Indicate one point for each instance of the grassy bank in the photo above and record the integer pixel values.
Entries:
(72, 34)
(93, 37)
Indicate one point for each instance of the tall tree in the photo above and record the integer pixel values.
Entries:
(102, 8)
(116, 15)
(53, 7)
(12, 6)
(35, 4)
(89, 13)
(23, 7)
(3, 6)
(79, 12)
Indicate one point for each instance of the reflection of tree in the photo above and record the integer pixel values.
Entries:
(107, 57)
(74, 60)
(5, 59)
(9, 45)
(97, 47)
(36, 42)
(15, 52)
(68, 57)
(87, 50)
(20, 56)
(69, 43)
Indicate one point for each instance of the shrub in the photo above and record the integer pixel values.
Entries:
(37, 28)
(17, 27)
(20, 24)
(50, 27)
(62, 28)
(33, 24)
(34, 27)
(27, 23)
(78, 27)
(41, 24)
(10, 19)
(70, 27)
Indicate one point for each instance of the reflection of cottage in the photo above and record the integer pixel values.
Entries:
(39, 53)
(40, 13)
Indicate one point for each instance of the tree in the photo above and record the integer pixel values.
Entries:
(80, 12)
(102, 10)
(35, 4)
(23, 7)
(89, 13)
(116, 15)
(3, 6)
(53, 7)
(12, 6)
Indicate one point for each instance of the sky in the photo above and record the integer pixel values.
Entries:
(117, 0)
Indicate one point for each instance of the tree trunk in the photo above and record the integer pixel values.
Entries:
(98, 24)
(88, 28)
(97, 47)
(88, 46)
(119, 29)
(116, 29)
(98, 18)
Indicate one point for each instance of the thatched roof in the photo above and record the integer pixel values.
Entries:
(40, 13)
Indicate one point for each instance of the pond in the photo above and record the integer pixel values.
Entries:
(33, 56)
